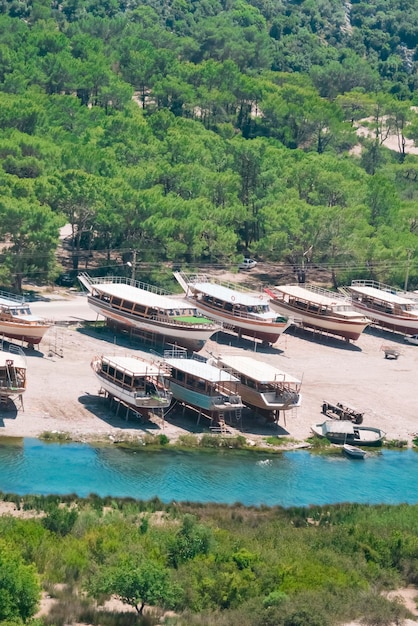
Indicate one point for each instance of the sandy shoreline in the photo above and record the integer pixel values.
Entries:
(62, 393)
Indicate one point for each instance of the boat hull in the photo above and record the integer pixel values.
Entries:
(396, 323)
(269, 401)
(212, 406)
(23, 332)
(192, 337)
(353, 452)
(360, 435)
(264, 331)
(348, 329)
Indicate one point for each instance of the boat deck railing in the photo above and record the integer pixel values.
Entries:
(376, 285)
(322, 291)
(335, 295)
(167, 320)
(411, 296)
(175, 353)
(204, 278)
(123, 280)
(5, 346)
(10, 298)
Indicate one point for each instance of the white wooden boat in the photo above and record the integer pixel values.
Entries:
(149, 311)
(12, 373)
(263, 387)
(209, 390)
(241, 311)
(318, 308)
(137, 383)
(344, 431)
(17, 321)
(354, 451)
(385, 306)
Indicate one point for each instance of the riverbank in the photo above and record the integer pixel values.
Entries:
(63, 393)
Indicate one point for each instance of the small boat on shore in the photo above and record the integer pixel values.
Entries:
(411, 339)
(209, 390)
(385, 306)
(12, 373)
(241, 311)
(17, 321)
(319, 309)
(344, 431)
(353, 451)
(137, 383)
(148, 312)
(262, 387)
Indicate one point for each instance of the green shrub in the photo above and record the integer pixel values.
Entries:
(188, 441)
(60, 520)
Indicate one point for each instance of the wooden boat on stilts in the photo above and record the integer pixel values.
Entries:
(148, 312)
(264, 388)
(241, 311)
(12, 374)
(385, 306)
(138, 384)
(319, 309)
(17, 321)
(196, 383)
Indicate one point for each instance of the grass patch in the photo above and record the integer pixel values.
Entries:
(396, 443)
(55, 436)
(276, 440)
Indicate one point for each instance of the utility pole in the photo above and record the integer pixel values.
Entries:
(408, 263)
(301, 271)
(133, 264)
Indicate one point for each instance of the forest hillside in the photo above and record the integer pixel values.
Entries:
(192, 133)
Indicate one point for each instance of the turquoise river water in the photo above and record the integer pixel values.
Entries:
(296, 478)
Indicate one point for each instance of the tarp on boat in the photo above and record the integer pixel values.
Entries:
(344, 427)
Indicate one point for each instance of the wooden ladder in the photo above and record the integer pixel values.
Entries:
(222, 424)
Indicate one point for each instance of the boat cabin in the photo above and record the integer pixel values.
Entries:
(225, 299)
(145, 302)
(382, 299)
(12, 374)
(202, 376)
(260, 376)
(313, 300)
(207, 389)
(133, 374)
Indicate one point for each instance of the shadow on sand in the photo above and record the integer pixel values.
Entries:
(28, 352)
(322, 339)
(9, 411)
(178, 416)
(123, 418)
(385, 335)
(123, 340)
(229, 339)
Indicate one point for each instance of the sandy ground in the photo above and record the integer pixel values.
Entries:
(62, 393)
